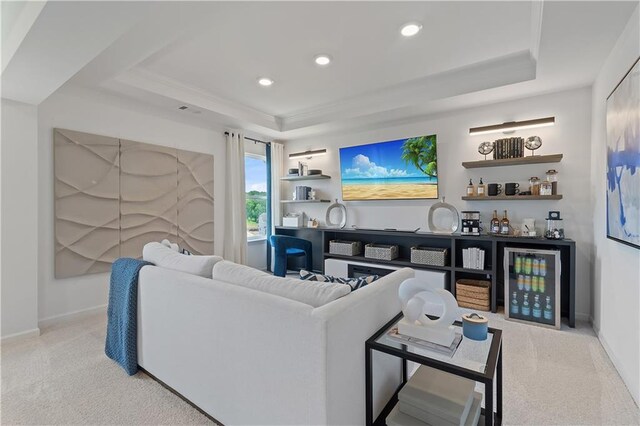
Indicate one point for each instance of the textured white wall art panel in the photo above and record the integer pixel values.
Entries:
(87, 210)
(148, 195)
(195, 202)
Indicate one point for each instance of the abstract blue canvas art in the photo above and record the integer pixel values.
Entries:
(623, 160)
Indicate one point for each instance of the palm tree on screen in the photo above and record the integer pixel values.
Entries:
(421, 152)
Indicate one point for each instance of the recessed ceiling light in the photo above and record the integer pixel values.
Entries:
(265, 81)
(323, 60)
(410, 29)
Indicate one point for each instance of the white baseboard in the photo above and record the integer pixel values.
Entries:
(21, 336)
(72, 316)
(583, 317)
(616, 363)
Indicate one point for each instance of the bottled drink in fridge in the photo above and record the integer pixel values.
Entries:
(526, 309)
(515, 307)
(520, 282)
(518, 265)
(528, 265)
(548, 310)
(527, 282)
(543, 267)
(537, 309)
(541, 284)
(534, 283)
(535, 267)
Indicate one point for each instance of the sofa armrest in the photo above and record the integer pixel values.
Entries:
(348, 323)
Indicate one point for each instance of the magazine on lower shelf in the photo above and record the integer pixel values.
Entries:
(423, 344)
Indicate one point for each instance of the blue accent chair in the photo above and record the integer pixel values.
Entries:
(289, 246)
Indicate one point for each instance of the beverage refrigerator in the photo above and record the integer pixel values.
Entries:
(532, 286)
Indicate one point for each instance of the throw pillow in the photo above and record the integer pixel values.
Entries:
(165, 257)
(313, 294)
(354, 283)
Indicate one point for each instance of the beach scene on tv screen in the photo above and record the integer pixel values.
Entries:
(394, 170)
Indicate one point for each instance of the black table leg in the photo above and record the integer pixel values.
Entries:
(488, 403)
(499, 385)
(369, 386)
(405, 372)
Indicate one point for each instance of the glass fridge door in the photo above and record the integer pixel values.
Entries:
(532, 286)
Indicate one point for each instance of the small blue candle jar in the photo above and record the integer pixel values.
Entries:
(474, 326)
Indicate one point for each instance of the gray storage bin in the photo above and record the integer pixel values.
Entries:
(381, 251)
(431, 256)
(345, 248)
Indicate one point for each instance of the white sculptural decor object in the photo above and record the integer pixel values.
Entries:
(417, 297)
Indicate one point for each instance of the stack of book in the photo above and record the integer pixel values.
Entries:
(508, 148)
(302, 192)
(433, 397)
(473, 258)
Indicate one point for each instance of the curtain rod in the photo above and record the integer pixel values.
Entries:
(252, 139)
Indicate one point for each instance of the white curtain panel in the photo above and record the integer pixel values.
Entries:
(235, 229)
(277, 163)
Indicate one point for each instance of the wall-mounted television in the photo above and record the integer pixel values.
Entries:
(394, 170)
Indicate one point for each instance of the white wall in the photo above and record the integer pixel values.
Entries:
(102, 114)
(19, 222)
(570, 136)
(616, 267)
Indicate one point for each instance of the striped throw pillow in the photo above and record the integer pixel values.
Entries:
(354, 283)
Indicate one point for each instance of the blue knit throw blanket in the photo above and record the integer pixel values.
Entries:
(122, 314)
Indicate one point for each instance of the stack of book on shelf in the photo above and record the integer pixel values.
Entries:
(473, 258)
(433, 397)
(508, 148)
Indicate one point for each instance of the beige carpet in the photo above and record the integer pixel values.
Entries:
(63, 377)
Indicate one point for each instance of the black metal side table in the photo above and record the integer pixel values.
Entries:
(478, 361)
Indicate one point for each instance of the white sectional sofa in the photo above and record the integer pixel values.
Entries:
(246, 356)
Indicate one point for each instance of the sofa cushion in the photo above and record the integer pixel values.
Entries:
(165, 257)
(311, 293)
(353, 283)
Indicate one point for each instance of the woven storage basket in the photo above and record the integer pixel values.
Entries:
(381, 251)
(345, 248)
(474, 294)
(432, 256)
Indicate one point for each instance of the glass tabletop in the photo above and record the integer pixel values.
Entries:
(470, 354)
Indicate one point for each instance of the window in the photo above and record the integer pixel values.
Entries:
(255, 170)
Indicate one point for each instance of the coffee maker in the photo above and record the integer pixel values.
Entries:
(470, 223)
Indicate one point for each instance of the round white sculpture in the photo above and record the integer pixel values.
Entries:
(454, 218)
(342, 209)
(418, 299)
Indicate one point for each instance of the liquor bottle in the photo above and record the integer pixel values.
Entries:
(518, 264)
(526, 309)
(527, 282)
(520, 282)
(537, 309)
(534, 283)
(515, 308)
(481, 189)
(541, 284)
(543, 267)
(471, 190)
(504, 224)
(495, 223)
(535, 268)
(548, 310)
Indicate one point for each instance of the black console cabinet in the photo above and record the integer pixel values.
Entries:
(493, 246)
